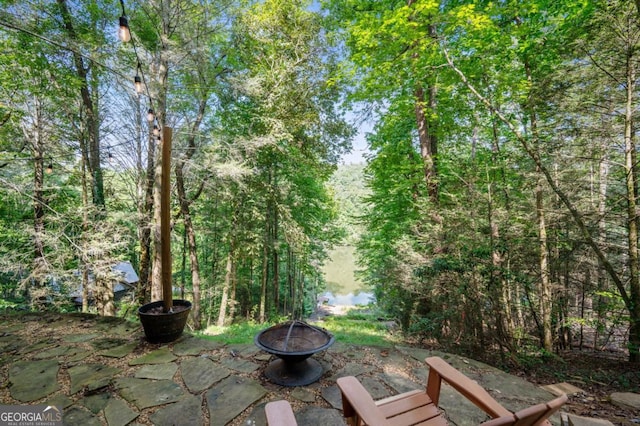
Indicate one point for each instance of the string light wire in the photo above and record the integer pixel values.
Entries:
(144, 80)
(63, 46)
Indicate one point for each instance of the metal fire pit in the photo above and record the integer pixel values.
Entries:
(293, 342)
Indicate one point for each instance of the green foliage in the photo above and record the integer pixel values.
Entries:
(9, 305)
(347, 185)
(256, 156)
(357, 327)
(469, 259)
(532, 357)
(257, 93)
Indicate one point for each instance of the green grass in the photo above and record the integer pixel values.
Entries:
(358, 331)
(358, 326)
(234, 334)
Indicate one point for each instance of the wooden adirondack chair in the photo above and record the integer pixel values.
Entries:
(419, 407)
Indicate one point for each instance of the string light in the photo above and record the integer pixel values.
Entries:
(49, 169)
(124, 32)
(137, 81)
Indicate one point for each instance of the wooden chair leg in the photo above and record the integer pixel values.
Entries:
(280, 413)
(349, 413)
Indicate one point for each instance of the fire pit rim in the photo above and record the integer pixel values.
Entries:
(287, 354)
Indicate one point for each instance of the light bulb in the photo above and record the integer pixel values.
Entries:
(124, 32)
(138, 83)
(150, 115)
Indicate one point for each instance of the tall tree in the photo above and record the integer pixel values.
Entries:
(207, 62)
(395, 56)
(291, 128)
(576, 214)
(89, 96)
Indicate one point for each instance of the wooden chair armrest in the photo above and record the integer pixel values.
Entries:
(280, 413)
(440, 370)
(356, 400)
(536, 415)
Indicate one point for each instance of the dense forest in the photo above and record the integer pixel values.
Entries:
(500, 210)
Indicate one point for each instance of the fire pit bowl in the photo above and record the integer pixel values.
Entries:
(293, 342)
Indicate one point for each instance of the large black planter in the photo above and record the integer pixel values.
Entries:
(164, 327)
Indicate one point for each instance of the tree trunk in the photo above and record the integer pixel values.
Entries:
(601, 276)
(504, 317)
(104, 295)
(291, 282)
(92, 122)
(214, 260)
(276, 275)
(37, 139)
(229, 274)
(185, 209)
(497, 291)
(233, 301)
(162, 81)
(424, 109)
(544, 288)
(156, 274)
(427, 138)
(191, 239)
(301, 293)
(272, 213)
(145, 210)
(224, 302)
(39, 202)
(85, 230)
(632, 218)
(183, 267)
(265, 276)
(567, 335)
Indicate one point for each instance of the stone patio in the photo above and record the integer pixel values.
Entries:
(102, 371)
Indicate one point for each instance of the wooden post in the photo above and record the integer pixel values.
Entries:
(165, 219)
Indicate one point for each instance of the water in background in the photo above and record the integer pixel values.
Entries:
(343, 287)
(362, 298)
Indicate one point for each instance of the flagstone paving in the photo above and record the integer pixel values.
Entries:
(33, 380)
(102, 371)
